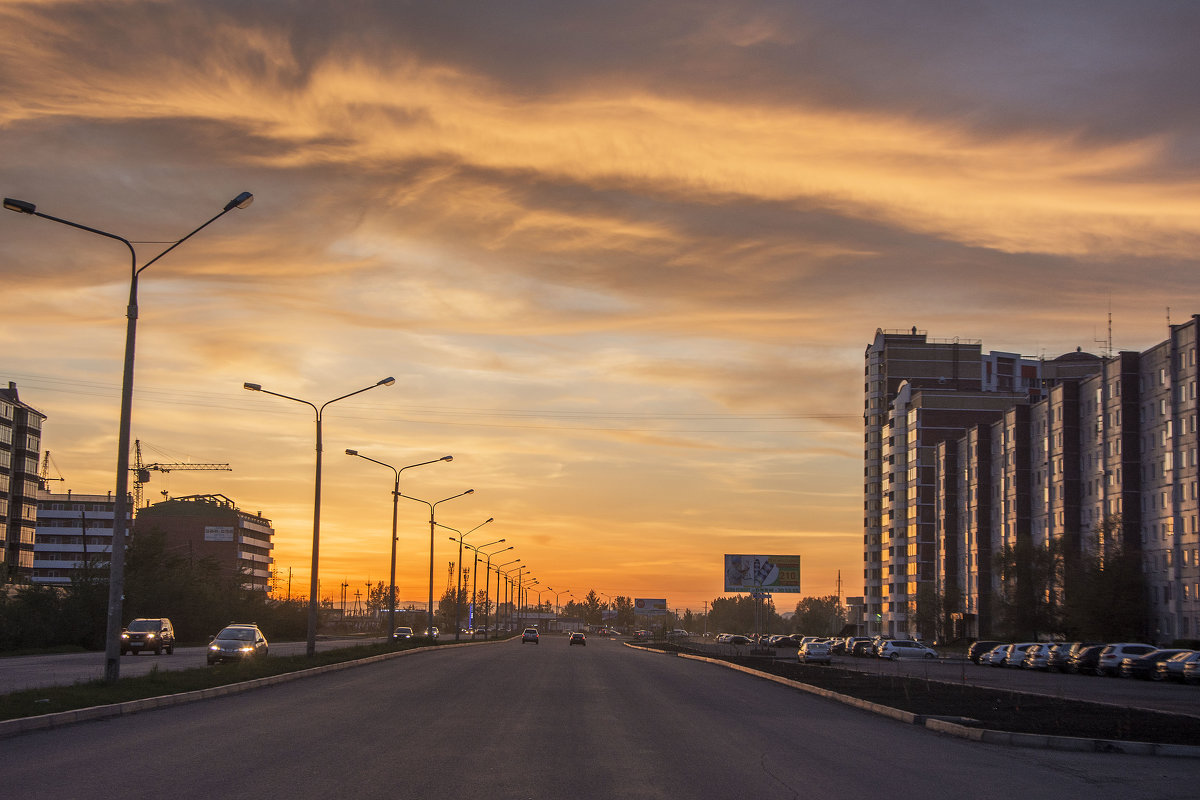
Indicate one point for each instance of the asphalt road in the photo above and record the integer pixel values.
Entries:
(507, 720)
(31, 672)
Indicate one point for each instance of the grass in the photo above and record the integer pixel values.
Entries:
(52, 699)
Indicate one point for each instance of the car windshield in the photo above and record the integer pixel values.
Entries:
(144, 625)
(237, 634)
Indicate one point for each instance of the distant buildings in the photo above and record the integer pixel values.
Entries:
(74, 532)
(967, 454)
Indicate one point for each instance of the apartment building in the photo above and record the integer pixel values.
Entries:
(20, 445)
(212, 526)
(74, 536)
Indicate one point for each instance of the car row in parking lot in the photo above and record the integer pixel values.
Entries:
(1116, 659)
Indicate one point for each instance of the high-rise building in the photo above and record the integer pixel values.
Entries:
(20, 445)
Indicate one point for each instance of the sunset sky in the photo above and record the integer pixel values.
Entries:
(622, 258)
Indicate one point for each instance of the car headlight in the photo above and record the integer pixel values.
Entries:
(149, 635)
(124, 635)
(246, 649)
(214, 647)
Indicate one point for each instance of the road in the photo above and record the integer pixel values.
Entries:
(31, 672)
(506, 720)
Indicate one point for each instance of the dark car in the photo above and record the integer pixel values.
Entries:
(530, 635)
(1060, 655)
(237, 642)
(155, 634)
(1086, 661)
(977, 649)
(402, 633)
(577, 638)
(1143, 666)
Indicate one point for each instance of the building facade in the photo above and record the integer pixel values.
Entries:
(74, 537)
(20, 446)
(211, 526)
(1082, 456)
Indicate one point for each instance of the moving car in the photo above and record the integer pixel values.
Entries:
(530, 635)
(155, 634)
(432, 633)
(402, 633)
(237, 642)
(577, 638)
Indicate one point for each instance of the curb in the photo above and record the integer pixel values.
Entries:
(952, 728)
(16, 727)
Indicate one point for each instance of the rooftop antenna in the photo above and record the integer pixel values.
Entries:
(1108, 343)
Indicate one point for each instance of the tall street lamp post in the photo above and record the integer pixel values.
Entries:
(395, 502)
(556, 596)
(116, 564)
(458, 586)
(475, 580)
(314, 585)
(432, 530)
(498, 573)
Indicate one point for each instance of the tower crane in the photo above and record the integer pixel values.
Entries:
(44, 475)
(141, 472)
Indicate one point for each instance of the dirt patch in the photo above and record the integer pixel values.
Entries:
(990, 708)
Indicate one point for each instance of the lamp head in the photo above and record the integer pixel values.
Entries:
(241, 201)
(490, 519)
(386, 382)
(446, 458)
(469, 491)
(254, 387)
(350, 452)
(19, 206)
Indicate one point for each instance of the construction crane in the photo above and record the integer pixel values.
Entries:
(44, 475)
(141, 472)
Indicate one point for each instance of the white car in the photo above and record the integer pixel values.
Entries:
(995, 657)
(896, 649)
(1111, 656)
(1016, 654)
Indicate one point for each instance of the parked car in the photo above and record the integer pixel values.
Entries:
(237, 642)
(1015, 656)
(402, 633)
(529, 635)
(896, 649)
(738, 639)
(1112, 655)
(1144, 666)
(677, 635)
(977, 650)
(995, 657)
(577, 638)
(1086, 661)
(155, 634)
(1038, 656)
(863, 648)
(814, 653)
(1061, 654)
(1172, 669)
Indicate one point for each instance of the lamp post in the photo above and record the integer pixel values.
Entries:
(556, 596)
(395, 502)
(314, 586)
(458, 584)
(116, 566)
(486, 575)
(432, 527)
(498, 573)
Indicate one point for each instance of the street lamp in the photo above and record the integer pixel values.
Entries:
(556, 596)
(116, 565)
(507, 590)
(487, 574)
(432, 526)
(458, 587)
(395, 501)
(475, 579)
(315, 587)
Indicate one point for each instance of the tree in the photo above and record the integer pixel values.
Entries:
(819, 616)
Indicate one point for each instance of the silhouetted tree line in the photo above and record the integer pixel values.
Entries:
(195, 593)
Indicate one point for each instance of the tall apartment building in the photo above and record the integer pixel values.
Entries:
(20, 444)
(1085, 453)
(212, 526)
(74, 532)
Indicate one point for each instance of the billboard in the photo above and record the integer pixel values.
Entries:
(750, 573)
(644, 606)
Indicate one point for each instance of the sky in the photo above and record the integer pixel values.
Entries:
(622, 259)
